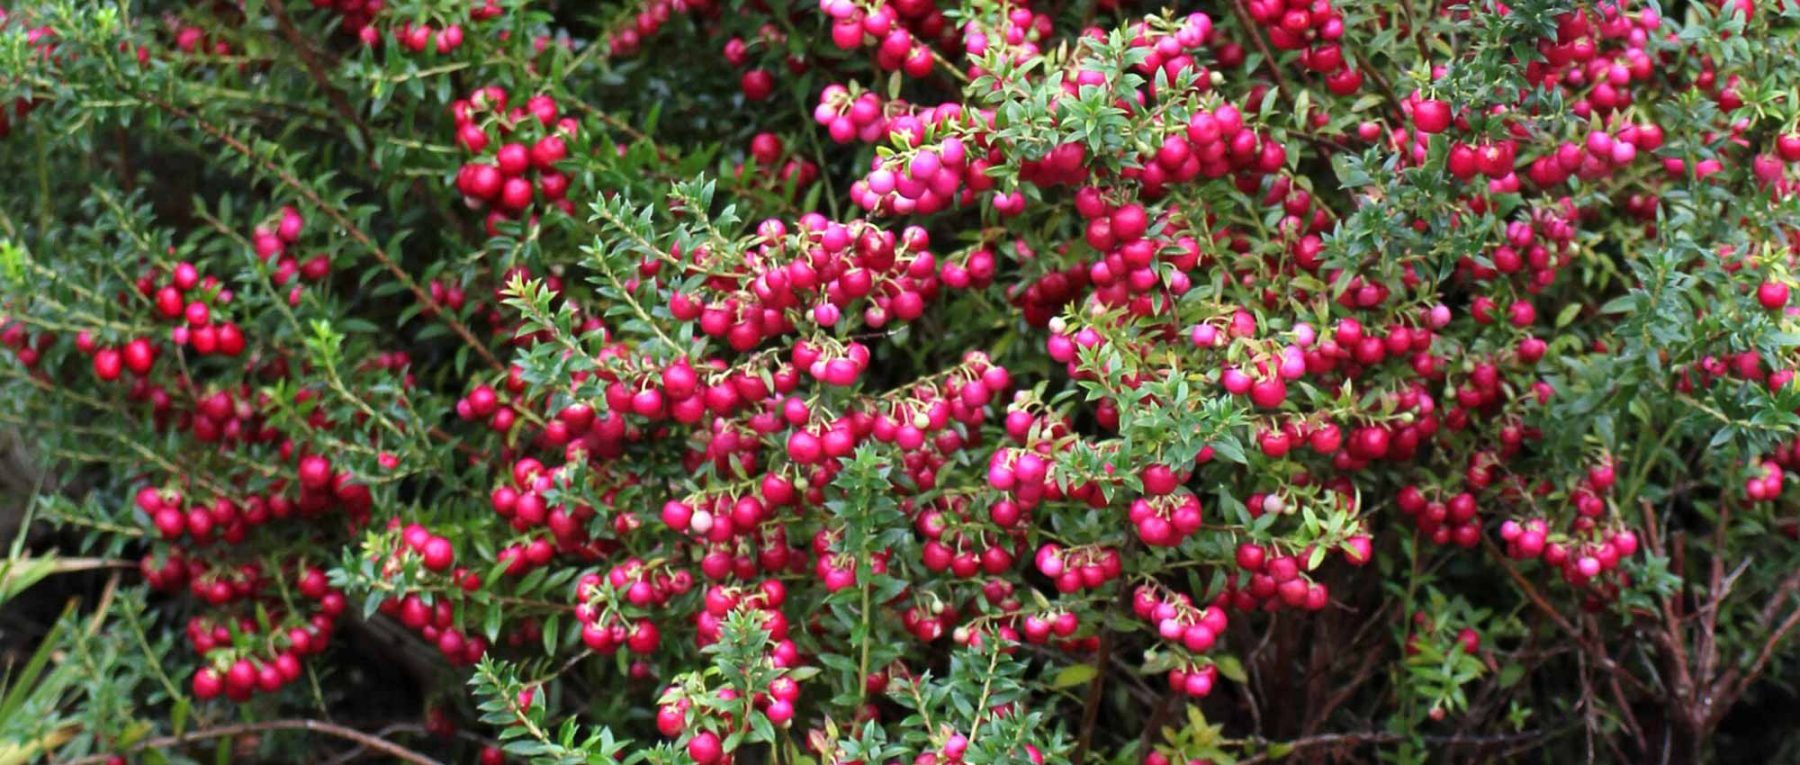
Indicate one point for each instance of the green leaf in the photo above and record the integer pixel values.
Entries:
(20, 685)
(19, 574)
(1073, 675)
(1568, 314)
(1231, 668)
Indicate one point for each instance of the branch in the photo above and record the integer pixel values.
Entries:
(1378, 737)
(337, 217)
(1537, 599)
(1733, 683)
(1243, 17)
(411, 729)
(1090, 713)
(313, 726)
(1763, 657)
(310, 58)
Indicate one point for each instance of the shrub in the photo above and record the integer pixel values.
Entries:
(910, 381)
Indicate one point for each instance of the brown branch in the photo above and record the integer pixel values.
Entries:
(411, 729)
(1762, 661)
(1674, 644)
(1778, 599)
(313, 726)
(1090, 712)
(1717, 588)
(1364, 673)
(310, 58)
(1532, 594)
(1159, 716)
(1734, 682)
(1375, 737)
(340, 219)
(1381, 82)
(1537, 599)
(1618, 692)
(1243, 17)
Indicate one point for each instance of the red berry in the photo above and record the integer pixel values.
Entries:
(139, 356)
(512, 159)
(758, 85)
(1431, 116)
(1772, 295)
(704, 748)
(108, 363)
(208, 684)
(481, 180)
(438, 554)
(315, 471)
(198, 314)
(548, 151)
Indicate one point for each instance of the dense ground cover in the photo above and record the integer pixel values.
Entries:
(899, 381)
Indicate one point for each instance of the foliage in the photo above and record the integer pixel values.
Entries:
(910, 381)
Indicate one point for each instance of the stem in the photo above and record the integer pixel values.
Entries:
(1243, 17)
(143, 640)
(987, 684)
(1090, 712)
(868, 629)
(313, 726)
(331, 211)
(1645, 455)
(310, 58)
(631, 300)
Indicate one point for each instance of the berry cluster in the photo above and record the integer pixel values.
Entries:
(612, 608)
(519, 175)
(1314, 28)
(240, 657)
(902, 31)
(358, 17)
(272, 242)
(433, 616)
(1193, 630)
(190, 301)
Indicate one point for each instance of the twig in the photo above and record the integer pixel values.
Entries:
(312, 726)
(1381, 82)
(1537, 599)
(106, 598)
(987, 686)
(1375, 737)
(413, 729)
(1618, 692)
(1732, 684)
(1090, 712)
(340, 219)
(64, 566)
(1243, 17)
(310, 59)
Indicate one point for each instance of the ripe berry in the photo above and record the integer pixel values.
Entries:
(108, 363)
(1772, 295)
(548, 151)
(208, 683)
(512, 159)
(438, 554)
(1431, 116)
(315, 471)
(704, 748)
(758, 85)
